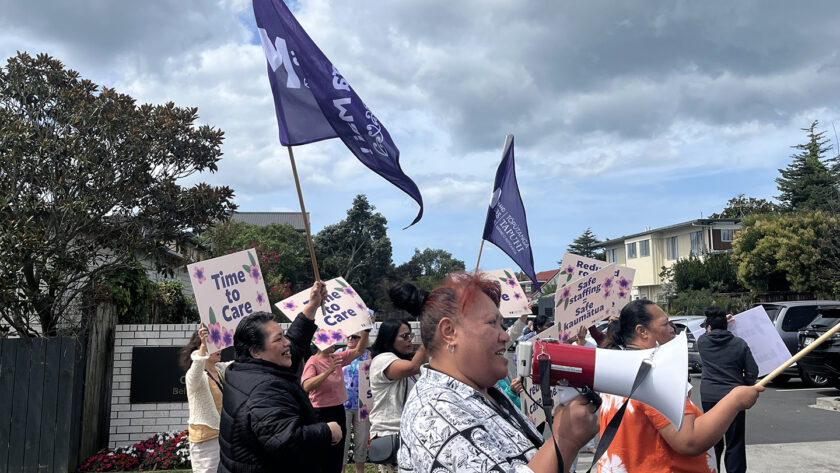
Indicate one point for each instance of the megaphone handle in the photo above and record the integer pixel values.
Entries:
(592, 396)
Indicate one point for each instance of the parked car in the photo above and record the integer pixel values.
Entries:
(790, 317)
(824, 360)
(691, 323)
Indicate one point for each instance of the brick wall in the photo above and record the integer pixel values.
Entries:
(131, 423)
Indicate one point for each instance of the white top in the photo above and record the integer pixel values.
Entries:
(388, 396)
(448, 426)
(202, 408)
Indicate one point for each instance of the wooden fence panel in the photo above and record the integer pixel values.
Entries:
(46, 444)
(20, 394)
(33, 411)
(7, 376)
(64, 408)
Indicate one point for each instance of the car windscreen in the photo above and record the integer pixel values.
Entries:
(772, 311)
(828, 318)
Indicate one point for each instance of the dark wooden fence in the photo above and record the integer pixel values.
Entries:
(55, 397)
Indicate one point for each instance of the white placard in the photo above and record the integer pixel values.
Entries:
(575, 266)
(590, 299)
(346, 313)
(767, 347)
(226, 289)
(365, 396)
(514, 302)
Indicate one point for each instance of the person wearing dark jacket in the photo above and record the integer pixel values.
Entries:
(267, 421)
(727, 363)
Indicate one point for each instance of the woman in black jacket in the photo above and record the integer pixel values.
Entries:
(268, 423)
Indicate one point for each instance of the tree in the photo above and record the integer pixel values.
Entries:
(428, 267)
(740, 207)
(89, 183)
(282, 251)
(810, 182)
(715, 272)
(797, 251)
(587, 245)
(358, 249)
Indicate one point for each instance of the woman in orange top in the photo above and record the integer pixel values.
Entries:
(646, 441)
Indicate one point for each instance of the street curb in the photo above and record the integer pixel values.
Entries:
(827, 403)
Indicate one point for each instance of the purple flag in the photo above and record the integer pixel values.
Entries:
(313, 102)
(506, 225)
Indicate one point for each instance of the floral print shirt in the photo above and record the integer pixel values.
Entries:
(351, 380)
(447, 426)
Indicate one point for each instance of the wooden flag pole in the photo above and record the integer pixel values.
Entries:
(479, 255)
(798, 356)
(305, 217)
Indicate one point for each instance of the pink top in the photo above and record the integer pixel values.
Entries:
(331, 392)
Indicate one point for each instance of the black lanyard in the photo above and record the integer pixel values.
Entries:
(218, 384)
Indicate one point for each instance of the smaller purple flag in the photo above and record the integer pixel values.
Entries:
(314, 102)
(506, 225)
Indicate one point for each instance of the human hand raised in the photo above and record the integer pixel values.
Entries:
(516, 386)
(335, 362)
(316, 297)
(745, 396)
(575, 423)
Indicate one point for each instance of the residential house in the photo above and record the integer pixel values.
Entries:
(261, 219)
(650, 251)
(544, 278)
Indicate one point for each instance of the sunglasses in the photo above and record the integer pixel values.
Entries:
(405, 336)
(354, 337)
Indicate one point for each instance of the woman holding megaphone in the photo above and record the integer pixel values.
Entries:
(646, 440)
(455, 418)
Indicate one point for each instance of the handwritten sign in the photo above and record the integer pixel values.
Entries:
(343, 313)
(590, 299)
(575, 266)
(514, 302)
(226, 289)
(767, 347)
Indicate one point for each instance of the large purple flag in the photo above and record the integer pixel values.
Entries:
(506, 225)
(313, 102)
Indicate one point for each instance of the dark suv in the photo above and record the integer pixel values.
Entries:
(790, 317)
(823, 360)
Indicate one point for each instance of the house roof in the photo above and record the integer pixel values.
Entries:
(261, 219)
(543, 277)
(702, 222)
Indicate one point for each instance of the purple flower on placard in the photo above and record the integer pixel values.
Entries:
(337, 336)
(363, 412)
(360, 306)
(227, 337)
(569, 270)
(622, 293)
(349, 291)
(260, 298)
(608, 283)
(567, 291)
(606, 294)
(367, 368)
(290, 305)
(198, 274)
(215, 334)
(517, 296)
(322, 337)
(563, 336)
(624, 283)
(511, 282)
(255, 273)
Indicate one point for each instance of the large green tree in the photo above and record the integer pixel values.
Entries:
(811, 181)
(741, 206)
(587, 245)
(90, 181)
(358, 249)
(797, 251)
(428, 267)
(715, 272)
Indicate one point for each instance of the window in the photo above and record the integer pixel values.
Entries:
(726, 235)
(631, 250)
(798, 317)
(696, 243)
(644, 248)
(611, 256)
(671, 248)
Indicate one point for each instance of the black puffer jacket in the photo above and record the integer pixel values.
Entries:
(268, 423)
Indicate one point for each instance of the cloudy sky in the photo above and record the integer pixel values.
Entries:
(626, 114)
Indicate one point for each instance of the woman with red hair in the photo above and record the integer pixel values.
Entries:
(455, 417)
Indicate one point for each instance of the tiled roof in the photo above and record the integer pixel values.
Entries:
(261, 219)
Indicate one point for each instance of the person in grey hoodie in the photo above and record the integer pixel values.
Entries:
(727, 363)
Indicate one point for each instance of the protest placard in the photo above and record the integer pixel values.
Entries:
(575, 267)
(513, 302)
(533, 410)
(590, 299)
(346, 313)
(226, 289)
(767, 347)
(365, 396)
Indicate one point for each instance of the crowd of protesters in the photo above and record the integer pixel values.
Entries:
(450, 405)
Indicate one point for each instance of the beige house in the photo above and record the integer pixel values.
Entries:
(649, 251)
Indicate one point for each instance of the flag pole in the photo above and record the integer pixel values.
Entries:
(798, 356)
(305, 217)
(480, 248)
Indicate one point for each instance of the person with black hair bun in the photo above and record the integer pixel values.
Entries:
(393, 369)
(456, 419)
(646, 440)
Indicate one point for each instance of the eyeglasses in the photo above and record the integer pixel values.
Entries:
(405, 336)
(354, 337)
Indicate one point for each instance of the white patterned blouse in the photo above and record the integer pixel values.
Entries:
(447, 426)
